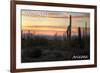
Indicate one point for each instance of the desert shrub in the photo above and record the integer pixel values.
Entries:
(31, 53)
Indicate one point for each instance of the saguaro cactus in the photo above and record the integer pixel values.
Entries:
(69, 28)
(79, 37)
(79, 33)
(85, 30)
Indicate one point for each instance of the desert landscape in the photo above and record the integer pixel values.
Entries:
(54, 36)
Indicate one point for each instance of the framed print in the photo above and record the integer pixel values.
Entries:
(52, 36)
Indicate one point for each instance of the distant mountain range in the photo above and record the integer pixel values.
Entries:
(55, 37)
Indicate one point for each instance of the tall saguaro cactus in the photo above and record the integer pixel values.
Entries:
(69, 28)
(79, 33)
(79, 37)
(85, 29)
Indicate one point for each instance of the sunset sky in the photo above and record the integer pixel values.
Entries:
(52, 22)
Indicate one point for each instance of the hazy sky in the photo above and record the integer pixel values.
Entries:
(52, 21)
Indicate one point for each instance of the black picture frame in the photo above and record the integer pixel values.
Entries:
(13, 35)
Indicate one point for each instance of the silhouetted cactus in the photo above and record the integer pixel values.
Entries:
(69, 28)
(79, 37)
(79, 33)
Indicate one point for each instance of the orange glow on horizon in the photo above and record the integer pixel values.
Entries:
(43, 28)
(49, 30)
